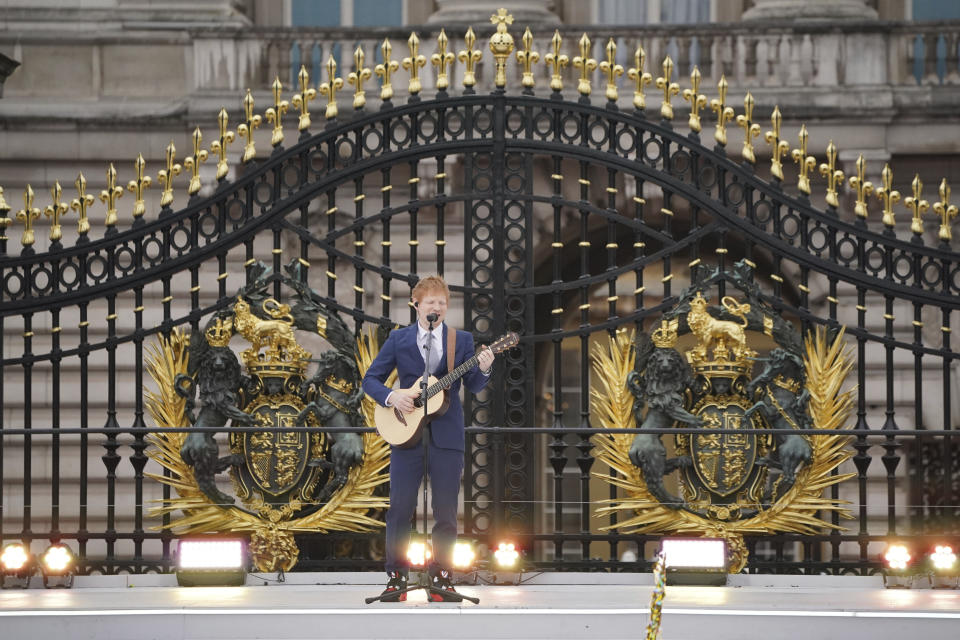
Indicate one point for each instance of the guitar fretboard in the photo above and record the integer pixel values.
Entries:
(448, 379)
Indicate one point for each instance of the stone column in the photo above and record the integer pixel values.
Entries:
(809, 10)
(478, 12)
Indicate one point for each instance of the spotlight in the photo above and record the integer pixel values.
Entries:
(943, 561)
(57, 564)
(897, 559)
(695, 561)
(506, 556)
(16, 566)
(418, 553)
(211, 562)
(464, 555)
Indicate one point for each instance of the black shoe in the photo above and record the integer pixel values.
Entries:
(443, 590)
(397, 582)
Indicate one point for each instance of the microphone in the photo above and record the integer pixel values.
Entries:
(431, 317)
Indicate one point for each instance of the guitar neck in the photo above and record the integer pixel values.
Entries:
(452, 377)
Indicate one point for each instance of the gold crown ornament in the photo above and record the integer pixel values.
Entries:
(219, 334)
(665, 336)
(338, 384)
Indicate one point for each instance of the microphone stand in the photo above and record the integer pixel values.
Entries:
(425, 582)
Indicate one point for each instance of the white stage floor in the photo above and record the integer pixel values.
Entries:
(597, 606)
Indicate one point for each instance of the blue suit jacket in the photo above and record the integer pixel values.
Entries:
(402, 353)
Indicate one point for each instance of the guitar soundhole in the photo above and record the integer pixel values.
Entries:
(400, 417)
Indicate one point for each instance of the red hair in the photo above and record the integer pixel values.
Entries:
(430, 285)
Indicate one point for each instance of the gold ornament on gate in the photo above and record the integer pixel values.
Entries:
(501, 44)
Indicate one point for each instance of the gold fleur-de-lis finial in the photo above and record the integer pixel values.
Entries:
(696, 99)
(863, 188)
(527, 58)
(165, 176)
(640, 77)
(556, 61)
(27, 215)
(612, 70)
(413, 64)
(441, 60)
(55, 211)
(724, 113)
(586, 64)
(669, 89)
(750, 129)
(946, 211)
(138, 186)
(833, 175)
(778, 147)
(470, 57)
(219, 147)
(109, 197)
(918, 206)
(302, 100)
(330, 88)
(81, 204)
(199, 156)
(806, 163)
(888, 196)
(246, 129)
(386, 70)
(357, 77)
(275, 113)
(501, 45)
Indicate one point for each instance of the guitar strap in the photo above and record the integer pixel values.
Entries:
(451, 347)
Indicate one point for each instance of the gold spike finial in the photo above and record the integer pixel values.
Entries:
(946, 211)
(55, 211)
(413, 63)
(833, 175)
(110, 195)
(696, 99)
(386, 70)
(165, 176)
(612, 70)
(81, 204)
(750, 129)
(246, 129)
(806, 163)
(778, 147)
(586, 64)
(275, 113)
(863, 188)
(470, 57)
(441, 60)
(724, 113)
(137, 186)
(556, 61)
(501, 45)
(330, 88)
(669, 89)
(199, 156)
(888, 196)
(917, 206)
(219, 147)
(302, 100)
(357, 77)
(27, 215)
(527, 58)
(641, 78)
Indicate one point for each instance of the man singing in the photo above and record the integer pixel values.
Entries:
(405, 350)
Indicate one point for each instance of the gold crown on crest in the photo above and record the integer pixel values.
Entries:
(283, 363)
(219, 334)
(341, 385)
(665, 336)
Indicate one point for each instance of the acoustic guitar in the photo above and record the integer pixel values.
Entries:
(403, 429)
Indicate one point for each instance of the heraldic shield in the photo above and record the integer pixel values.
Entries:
(289, 475)
(736, 465)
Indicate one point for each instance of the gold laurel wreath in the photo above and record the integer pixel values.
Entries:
(347, 509)
(827, 365)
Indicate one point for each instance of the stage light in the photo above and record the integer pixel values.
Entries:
(943, 561)
(211, 562)
(695, 561)
(418, 553)
(16, 566)
(897, 557)
(464, 555)
(506, 555)
(897, 560)
(57, 564)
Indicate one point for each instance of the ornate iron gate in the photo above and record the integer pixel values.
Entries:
(560, 220)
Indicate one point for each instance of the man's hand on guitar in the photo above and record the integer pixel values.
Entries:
(403, 399)
(485, 359)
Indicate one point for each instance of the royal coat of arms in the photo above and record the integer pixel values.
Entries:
(289, 476)
(738, 469)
